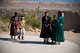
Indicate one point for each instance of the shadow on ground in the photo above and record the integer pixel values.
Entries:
(24, 42)
(5, 39)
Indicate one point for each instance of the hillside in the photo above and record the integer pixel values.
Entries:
(65, 6)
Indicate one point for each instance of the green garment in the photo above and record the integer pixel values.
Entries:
(58, 33)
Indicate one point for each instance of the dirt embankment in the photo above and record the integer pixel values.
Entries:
(74, 37)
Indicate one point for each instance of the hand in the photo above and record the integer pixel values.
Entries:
(55, 18)
(46, 26)
(51, 28)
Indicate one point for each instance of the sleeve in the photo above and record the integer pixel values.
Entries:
(43, 20)
(52, 24)
(50, 20)
(55, 23)
(62, 20)
(11, 19)
(58, 19)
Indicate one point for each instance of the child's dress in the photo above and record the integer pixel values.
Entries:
(22, 30)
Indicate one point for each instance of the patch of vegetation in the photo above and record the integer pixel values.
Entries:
(30, 19)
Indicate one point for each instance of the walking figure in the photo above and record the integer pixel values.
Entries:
(13, 25)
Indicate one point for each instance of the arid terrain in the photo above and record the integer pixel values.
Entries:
(70, 9)
(64, 6)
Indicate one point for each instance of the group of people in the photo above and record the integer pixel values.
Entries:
(52, 28)
(17, 27)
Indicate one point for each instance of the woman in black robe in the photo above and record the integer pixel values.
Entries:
(13, 25)
(45, 31)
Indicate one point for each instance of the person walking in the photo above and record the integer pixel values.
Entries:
(13, 26)
(22, 28)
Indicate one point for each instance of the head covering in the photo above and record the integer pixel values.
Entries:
(59, 13)
(16, 13)
(22, 17)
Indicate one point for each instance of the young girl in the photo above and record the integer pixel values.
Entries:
(53, 28)
(18, 27)
(22, 28)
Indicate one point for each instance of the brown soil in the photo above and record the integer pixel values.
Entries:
(71, 36)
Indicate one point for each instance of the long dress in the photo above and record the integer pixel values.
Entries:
(22, 30)
(59, 30)
(45, 31)
(53, 25)
(13, 27)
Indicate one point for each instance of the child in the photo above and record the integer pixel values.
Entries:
(53, 27)
(17, 27)
(22, 28)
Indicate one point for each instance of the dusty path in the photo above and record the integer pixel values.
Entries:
(33, 44)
